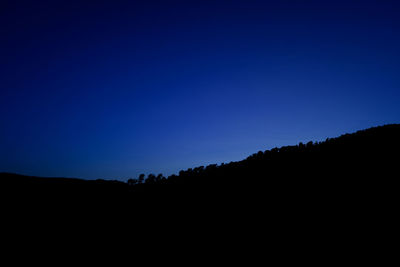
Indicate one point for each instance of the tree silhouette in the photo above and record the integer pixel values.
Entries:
(141, 178)
(151, 179)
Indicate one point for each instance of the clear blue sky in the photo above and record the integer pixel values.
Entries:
(112, 89)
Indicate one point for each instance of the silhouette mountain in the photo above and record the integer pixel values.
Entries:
(331, 199)
(351, 163)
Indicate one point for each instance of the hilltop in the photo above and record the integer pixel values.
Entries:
(366, 156)
(344, 188)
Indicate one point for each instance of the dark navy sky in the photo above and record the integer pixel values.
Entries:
(111, 89)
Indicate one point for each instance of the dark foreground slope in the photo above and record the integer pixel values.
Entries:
(362, 163)
(334, 200)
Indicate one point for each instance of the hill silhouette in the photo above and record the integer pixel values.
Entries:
(335, 198)
(350, 163)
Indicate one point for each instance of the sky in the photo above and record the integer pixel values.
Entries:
(112, 89)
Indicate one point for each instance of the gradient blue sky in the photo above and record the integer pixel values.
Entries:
(112, 89)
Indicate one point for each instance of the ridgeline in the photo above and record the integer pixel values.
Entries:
(365, 160)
